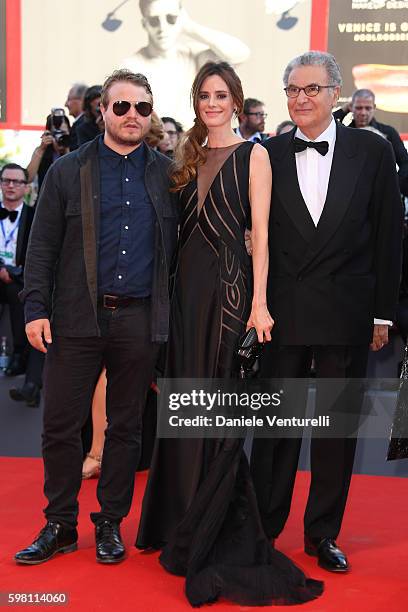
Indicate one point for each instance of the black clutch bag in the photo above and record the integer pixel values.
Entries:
(248, 353)
(398, 446)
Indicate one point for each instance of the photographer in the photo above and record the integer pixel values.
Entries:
(92, 125)
(54, 144)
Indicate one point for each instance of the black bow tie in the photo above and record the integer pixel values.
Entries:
(12, 214)
(300, 145)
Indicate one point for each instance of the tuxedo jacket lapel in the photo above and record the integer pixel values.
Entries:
(288, 190)
(346, 167)
(21, 236)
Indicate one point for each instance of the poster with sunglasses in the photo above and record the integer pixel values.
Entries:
(369, 38)
(257, 37)
(3, 108)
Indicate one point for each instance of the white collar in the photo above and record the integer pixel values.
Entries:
(329, 134)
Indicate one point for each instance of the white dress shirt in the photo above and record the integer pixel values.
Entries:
(313, 170)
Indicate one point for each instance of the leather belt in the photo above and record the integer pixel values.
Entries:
(112, 302)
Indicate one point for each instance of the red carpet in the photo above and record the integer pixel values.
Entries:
(375, 536)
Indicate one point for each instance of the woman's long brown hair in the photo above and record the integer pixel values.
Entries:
(190, 153)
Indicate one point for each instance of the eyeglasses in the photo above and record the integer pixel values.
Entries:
(8, 181)
(259, 115)
(121, 107)
(154, 21)
(310, 90)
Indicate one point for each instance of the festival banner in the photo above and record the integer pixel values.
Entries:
(370, 40)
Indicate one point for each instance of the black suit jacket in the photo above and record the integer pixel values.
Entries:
(73, 144)
(327, 283)
(27, 215)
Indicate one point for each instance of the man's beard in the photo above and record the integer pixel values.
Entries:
(130, 140)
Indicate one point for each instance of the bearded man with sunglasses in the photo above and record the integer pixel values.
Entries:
(96, 292)
(335, 234)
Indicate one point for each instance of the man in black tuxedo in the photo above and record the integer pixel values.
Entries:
(96, 293)
(15, 223)
(335, 244)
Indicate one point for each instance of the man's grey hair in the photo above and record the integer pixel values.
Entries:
(363, 93)
(79, 89)
(316, 58)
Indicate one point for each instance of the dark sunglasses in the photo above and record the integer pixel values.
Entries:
(121, 107)
(154, 21)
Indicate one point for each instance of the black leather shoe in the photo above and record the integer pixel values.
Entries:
(16, 366)
(109, 545)
(52, 539)
(330, 557)
(29, 393)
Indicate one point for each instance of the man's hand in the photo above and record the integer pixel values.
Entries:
(46, 139)
(380, 337)
(37, 331)
(5, 276)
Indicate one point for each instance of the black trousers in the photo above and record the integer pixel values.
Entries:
(35, 365)
(274, 461)
(71, 370)
(9, 295)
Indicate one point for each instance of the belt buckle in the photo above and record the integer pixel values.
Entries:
(106, 298)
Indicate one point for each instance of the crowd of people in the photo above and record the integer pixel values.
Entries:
(129, 201)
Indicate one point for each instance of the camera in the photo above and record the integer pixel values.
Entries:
(57, 118)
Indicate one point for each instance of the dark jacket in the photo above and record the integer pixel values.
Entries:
(27, 215)
(16, 271)
(327, 283)
(86, 131)
(61, 270)
(73, 136)
(400, 152)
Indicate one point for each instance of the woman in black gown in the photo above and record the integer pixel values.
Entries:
(200, 506)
